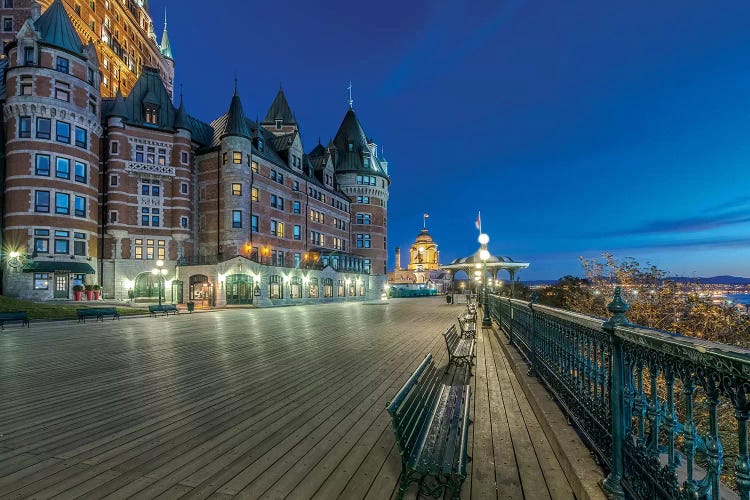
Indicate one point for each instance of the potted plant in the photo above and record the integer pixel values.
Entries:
(97, 288)
(77, 292)
(449, 299)
(89, 292)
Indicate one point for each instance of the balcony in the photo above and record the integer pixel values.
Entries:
(151, 169)
(666, 415)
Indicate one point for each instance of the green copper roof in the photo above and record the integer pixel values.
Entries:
(280, 110)
(352, 151)
(165, 47)
(236, 121)
(181, 119)
(56, 29)
(118, 107)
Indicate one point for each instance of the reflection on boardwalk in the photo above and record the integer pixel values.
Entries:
(286, 402)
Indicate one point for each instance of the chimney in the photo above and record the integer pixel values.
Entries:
(398, 259)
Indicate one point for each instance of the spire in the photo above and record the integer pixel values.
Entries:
(166, 48)
(56, 29)
(181, 119)
(280, 110)
(236, 123)
(351, 101)
(118, 107)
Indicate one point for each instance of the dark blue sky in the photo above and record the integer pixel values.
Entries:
(575, 127)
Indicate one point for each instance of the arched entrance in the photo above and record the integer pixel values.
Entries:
(146, 288)
(201, 290)
(239, 289)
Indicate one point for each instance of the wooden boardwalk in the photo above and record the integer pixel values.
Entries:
(271, 403)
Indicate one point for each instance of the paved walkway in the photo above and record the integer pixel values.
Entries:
(270, 403)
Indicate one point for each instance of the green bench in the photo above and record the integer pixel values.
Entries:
(98, 313)
(431, 424)
(14, 316)
(460, 350)
(164, 308)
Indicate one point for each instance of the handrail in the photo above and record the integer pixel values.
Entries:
(657, 408)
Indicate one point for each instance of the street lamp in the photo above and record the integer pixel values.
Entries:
(160, 273)
(484, 254)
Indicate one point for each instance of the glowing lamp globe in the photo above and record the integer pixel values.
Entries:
(484, 239)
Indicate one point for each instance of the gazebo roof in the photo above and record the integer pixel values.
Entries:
(494, 262)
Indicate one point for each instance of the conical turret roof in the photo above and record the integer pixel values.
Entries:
(165, 47)
(280, 110)
(118, 108)
(56, 29)
(352, 151)
(181, 119)
(236, 123)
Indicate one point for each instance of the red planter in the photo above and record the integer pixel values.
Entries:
(96, 294)
(77, 296)
(89, 294)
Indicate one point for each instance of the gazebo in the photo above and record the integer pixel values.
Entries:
(494, 263)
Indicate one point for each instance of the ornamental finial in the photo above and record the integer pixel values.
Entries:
(618, 308)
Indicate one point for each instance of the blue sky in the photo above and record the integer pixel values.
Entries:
(575, 127)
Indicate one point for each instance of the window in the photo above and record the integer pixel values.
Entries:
(155, 212)
(62, 64)
(277, 202)
(41, 201)
(327, 287)
(297, 233)
(62, 94)
(364, 218)
(62, 168)
(184, 188)
(139, 154)
(113, 180)
(254, 223)
(367, 180)
(237, 158)
(363, 200)
(43, 128)
(296, 207)
(275, 291)
(7, 24)
(28, 56)
(254, 166)
(295, 186)
(62, 130)
(367, 266)
(255, 194)
(8, 4)
(89, 74)
(79, 206)
(184, 157)
(62, 203)
(236, 189)
(183, 222)
(112, 216)
(236, 219)
(145, 216)
(80, 173)
(278, 124)
(81, 137)
(151, 114)
(314, 290)
(223, 158)
(79, 245)
(277, 228)
(62, 246)
(41, 281)
(42, 165)
(363, 241)
(24, 126)
(27, 85)
(162, 158)
(272, 175)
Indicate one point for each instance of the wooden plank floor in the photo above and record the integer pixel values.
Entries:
(270, 403)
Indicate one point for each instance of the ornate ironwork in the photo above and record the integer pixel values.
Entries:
(148, 168)
(647, 402)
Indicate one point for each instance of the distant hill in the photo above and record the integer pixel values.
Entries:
(713, 280)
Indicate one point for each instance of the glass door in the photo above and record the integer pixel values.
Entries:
(61, 286)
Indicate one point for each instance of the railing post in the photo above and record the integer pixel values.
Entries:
(532, 333)
(510, 320)
(613, 483)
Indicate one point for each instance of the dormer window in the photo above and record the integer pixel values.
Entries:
(151, 114)
(351, 147)
(28, 56)
(278, 124)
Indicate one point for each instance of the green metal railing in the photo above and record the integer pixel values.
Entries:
(657, 409)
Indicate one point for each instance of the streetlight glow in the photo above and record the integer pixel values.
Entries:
(483, 239)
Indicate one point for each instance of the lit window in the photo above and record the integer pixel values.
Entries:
(255, 167)
(41, 281)
(236, 189)
(151, 114)
(255, 194)
(237, 158)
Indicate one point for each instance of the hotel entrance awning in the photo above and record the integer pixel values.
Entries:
(57, 266)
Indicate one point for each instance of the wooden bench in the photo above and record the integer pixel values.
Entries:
(98, 313)
(431, 424)
(14, 316)
(468, 325)
(164, 308)
(460, 351)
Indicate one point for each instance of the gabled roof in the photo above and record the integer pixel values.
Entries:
(150, 89)
(283, 142)
(352, 149)
(280, 110)
(57, 30)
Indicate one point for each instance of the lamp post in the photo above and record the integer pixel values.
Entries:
(484, 254)
(159, 272)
